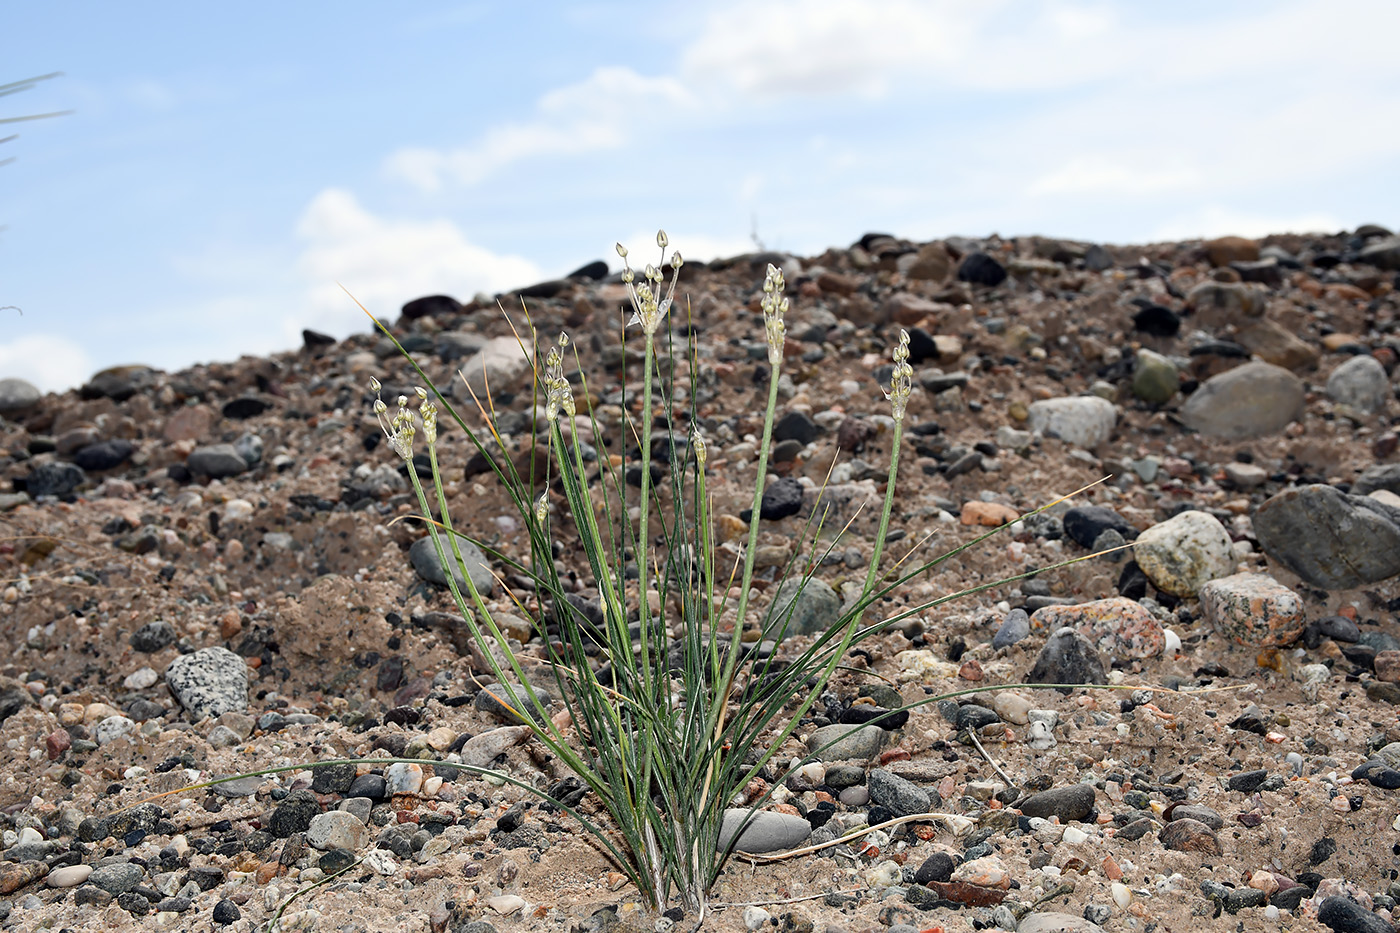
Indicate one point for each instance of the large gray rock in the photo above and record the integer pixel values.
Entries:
(1360, 384)
(1330, 539)
(846, 742)
(54, 478)
(209, 682)
(900, 796)
(1086, 420)
(500, 365)
(1381, 476)
(814, 605)
(1248, 401)
(425, 560)
(1383, 253)
(16, 396)
(767, 831)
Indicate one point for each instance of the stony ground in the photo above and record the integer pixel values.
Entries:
(201, 574)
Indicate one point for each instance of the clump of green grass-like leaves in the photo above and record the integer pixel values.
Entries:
(682, 714)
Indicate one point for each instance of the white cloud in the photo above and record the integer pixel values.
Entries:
(52, 362)
(596, 114)
(1215, 220)
(386, 262)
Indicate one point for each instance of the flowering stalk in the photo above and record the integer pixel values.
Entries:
(901, 384)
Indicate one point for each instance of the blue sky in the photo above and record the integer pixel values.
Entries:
(226, 166)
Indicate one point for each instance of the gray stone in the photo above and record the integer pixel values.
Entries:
(1185, 552)
(898, 795)
(1067, 658)
(1071, 804)
(250, 448)
(1015, 627)
(814, 605)
(17, 396)
(847, 741)
(1155, 378)
(1201, 813)
(1381, 476)
(767, 831)
(153, 636)
(1330, 539)
(424, 556)
(1360, 384)
(209, 682)
(495, 701)
(54, 479)
(217, 461)
(117, 878)
(500, 365)
(1086, 421)
(1383, 253)
(1248, 401)
(336, 829)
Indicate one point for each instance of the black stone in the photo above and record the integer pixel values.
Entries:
(593, 271)
(1067, 658)
(332, 779)
(509, 821)
(431, 306)
(246, 407)
(938, 867)
(780, 500)
(981, 269)
(294, 814)
(226, 912)
(1157, 321)
(54, 479)
(797, 426)
(1344, 915)
(1085, 523)
(1132, 582)
(336, 860)
(1290, 898)
(1248, 781)
(372, 786)
(153, 636)
(134, 904)
(1378, 773)
(921, 346)
(104, 455)
(315, 340)
(974, 717)
(1322, 850)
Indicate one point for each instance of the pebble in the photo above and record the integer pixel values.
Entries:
(1346, 916)
(1013, 707)
(217, 461)
(423, 556)
(1117, 626)
(17, 395)
(336, 829)
(1360, 385)
(805, 607)
(68, 876)
(898, 795)
(1050, 922)
(1328, 538)
(153, 636)
(767, 831)
(1072, 803)
(1085, 421)
(1254, 610)
(1155, 378)
(404, 778)
(1187, 835)
(209, 682)
(843, 742)
(1252, 400)
(1085, 523)
(1015, 627)
(1067, 658)
(117, 878)
(1184, 552)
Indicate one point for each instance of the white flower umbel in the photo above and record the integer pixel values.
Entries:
(648, 306)
(400, 429)
(559, 395)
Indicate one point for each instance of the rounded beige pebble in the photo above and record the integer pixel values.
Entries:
(69, 876)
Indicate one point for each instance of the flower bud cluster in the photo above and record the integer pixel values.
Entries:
(774, 307)
(559, 396)
(649, 306)
(902, 380)
(401, 428)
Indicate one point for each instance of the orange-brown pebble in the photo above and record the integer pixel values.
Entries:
(971, 670)
(988, 514)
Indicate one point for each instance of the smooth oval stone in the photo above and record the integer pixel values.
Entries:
(1252, 400)
(69, 876)
(1070, 804)
(846, 742)
(767, 831)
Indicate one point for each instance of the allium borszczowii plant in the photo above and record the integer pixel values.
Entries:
(682, 714)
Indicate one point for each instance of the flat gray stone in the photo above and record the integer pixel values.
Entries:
(217, 461)
(495, 701)
(424, 556)
(767, 831)
(898, 795)
(117, 878)
(1330, 539)
(209, 682)
(1248, 401)
(337, 829)
(1052, 922)
(848, 742)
